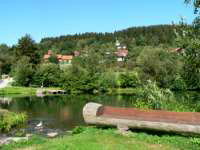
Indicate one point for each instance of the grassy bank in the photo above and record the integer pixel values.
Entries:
(110, 139)
(23, 91)
(18, 90)
(27, 91)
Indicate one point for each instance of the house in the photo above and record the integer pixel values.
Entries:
(66, 59)
(122, 52)
(62, 59)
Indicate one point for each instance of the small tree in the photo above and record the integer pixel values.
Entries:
(23, 72)
(48, 75)
(27, 47)
(188, 39)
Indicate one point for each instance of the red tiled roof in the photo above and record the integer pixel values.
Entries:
(59, 56)
(67, 57)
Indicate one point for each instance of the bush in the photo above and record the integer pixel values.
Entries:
(10, 119)
(79, 81)
(48, 75)
(107, 81)
(178, 83)
(23, 72)
(153, 97)
(158, 65)
(128, 80)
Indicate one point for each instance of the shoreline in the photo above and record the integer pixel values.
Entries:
(15, 91)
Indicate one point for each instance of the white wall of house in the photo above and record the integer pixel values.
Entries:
(119, 59)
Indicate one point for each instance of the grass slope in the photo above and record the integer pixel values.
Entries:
(99, 139)
(23, 91)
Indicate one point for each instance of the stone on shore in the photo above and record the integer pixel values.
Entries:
(52, 134)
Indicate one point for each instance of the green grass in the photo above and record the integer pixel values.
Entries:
(18, 90)
(110, 139)
(15, 91)
(21, 91)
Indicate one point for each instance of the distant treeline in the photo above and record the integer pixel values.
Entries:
(141, 36)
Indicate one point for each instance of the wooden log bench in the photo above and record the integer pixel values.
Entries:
(183, 122)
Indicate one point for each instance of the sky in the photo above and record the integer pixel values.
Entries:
(50, 18)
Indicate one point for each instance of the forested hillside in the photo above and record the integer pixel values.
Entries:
(139, 36)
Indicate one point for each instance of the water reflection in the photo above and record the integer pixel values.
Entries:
(65, 112)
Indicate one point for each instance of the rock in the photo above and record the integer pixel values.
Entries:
(7, 140)
(69, 132)
(17, 139)
(52, 134)
(29, 135)
(123, 129)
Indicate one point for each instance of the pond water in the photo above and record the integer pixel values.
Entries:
(61, 112)
(65, 112)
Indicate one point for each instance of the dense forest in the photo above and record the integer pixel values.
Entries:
(139, 36)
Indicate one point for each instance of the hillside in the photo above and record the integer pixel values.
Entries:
(139, 36)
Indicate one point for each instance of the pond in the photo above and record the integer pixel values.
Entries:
(65, 112)
(61, 112)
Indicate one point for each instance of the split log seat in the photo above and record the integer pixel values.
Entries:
(184, 122)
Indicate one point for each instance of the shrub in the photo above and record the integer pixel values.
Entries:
(128, 80)
(153, 97)
(178, 83)
(157, 64)
(79, 81)
(10, 119)
(47, 75)
(23, 72)
(107, 81)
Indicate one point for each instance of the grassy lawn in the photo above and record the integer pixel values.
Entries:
(18, 90)
(110, 139)
(23, 91)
